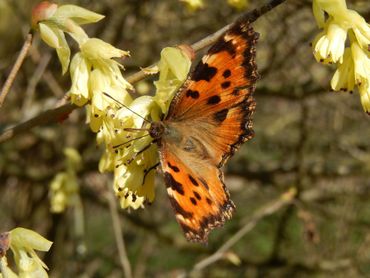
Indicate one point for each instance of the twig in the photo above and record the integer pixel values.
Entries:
(13, 73)
(207, 41)
(285, 199)
(52, 115)
(45, 118)
(118, 234)
(47, 76)
(34, 80)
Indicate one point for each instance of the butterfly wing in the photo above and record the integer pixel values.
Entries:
(207, 121)
(219, 92)
(196, 191)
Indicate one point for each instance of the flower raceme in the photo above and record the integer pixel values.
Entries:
(23, 243)
(120, 121)
(329, 47)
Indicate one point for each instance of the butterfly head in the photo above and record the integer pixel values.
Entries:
(156, 130)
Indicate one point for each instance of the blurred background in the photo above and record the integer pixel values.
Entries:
(307, 138)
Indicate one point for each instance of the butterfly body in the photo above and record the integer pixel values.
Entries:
(208, 119)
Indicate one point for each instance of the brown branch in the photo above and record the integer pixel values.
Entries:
(53, 115)
(48, 116)
(211, 39)
(18, 63)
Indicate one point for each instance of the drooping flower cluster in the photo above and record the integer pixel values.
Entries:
(64, 188)
(23, 243)
(329, 47)
(124, 155)
(121, 123)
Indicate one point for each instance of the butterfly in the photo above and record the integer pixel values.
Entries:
(208, 119)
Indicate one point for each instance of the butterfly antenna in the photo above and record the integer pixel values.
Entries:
(120, 103)
(129, 141)
(135, 129)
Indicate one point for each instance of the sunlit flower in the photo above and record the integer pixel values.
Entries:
(344, 76)
(173, 70)
(353, 63)
(360, 28)
(362, 64)
(331, 7)
(52, 21)
(329, 45)
(5, 269)
(97, 49)
(80, 71)
(23, 243)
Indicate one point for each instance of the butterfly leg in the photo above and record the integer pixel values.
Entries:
(139, 152)
(147, 171)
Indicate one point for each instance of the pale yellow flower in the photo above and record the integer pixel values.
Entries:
(329, 45)
(8, 273)
(52, 21)
(353, 63)
(97, 49)
(173, 68)
(23, 243)
(344, 77)
(80, 71)
(331, 7)
(362, 64)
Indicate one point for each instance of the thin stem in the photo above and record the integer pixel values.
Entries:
(18, 63)
(118, 234)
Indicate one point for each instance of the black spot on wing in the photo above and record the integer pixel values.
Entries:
(173, 167)
(171, 182)
(226, 73)
(225, 84)
(193, 201)
(196, 194)
(208, 201)
(203, 72)
(213, 100)
(205, 184)
(179, 209)
(220, 116)
(192, 94)
(193, 181)
(222, 45)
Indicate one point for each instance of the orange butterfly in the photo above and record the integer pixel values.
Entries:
(208, 119)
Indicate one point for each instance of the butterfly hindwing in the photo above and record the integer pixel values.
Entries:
(196, 191)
